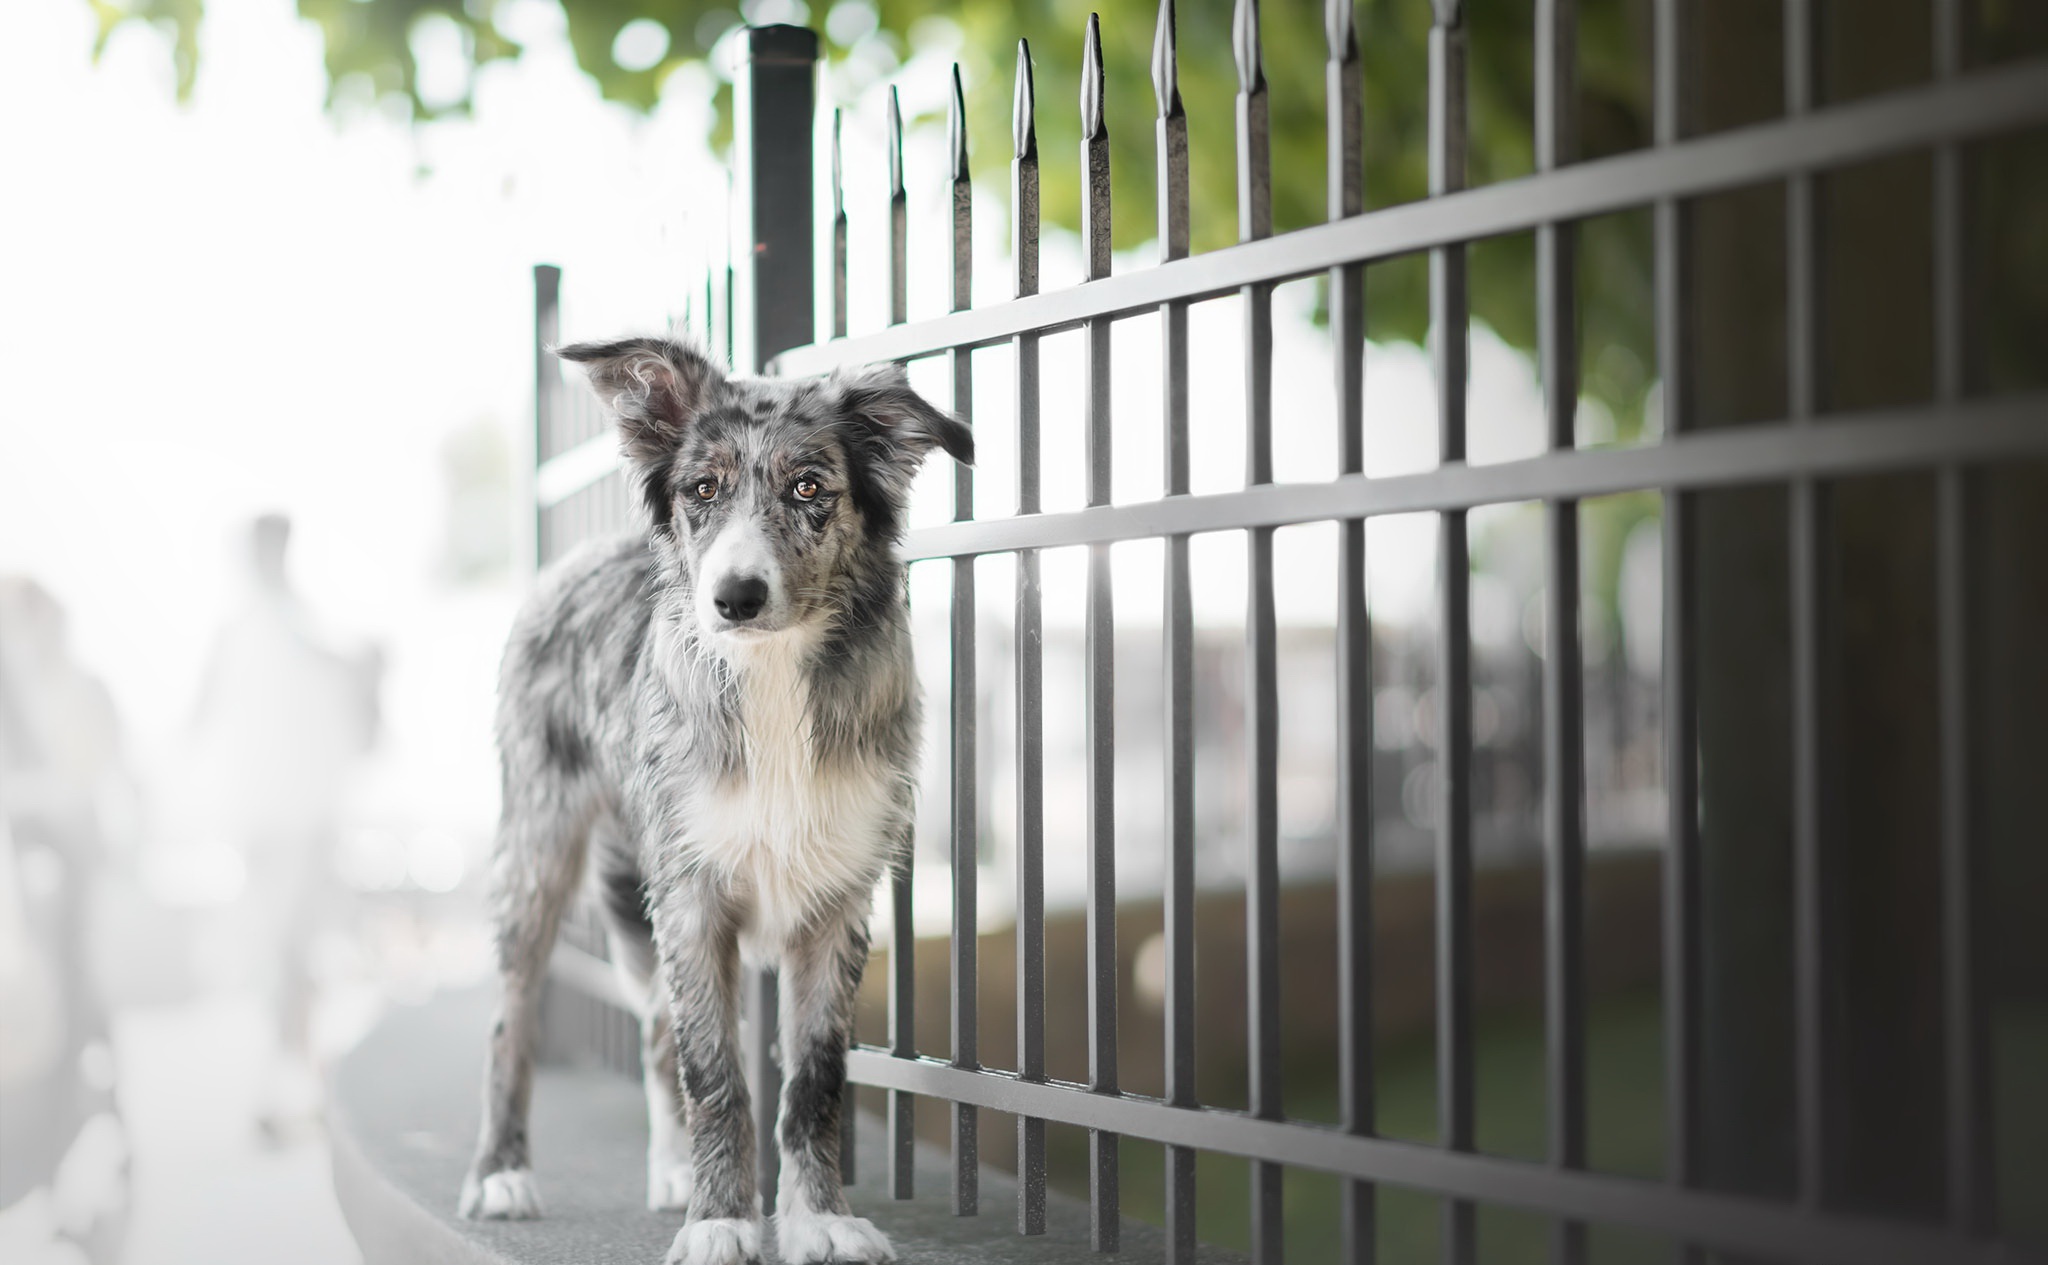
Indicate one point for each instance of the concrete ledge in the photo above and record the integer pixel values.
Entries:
(404, 1117)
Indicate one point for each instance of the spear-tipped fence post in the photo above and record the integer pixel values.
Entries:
(966, 801)
(902, 905)
(1262, 894)
(1171, 140)
(1344, 134)
(1030, 664)
(1105, 1223)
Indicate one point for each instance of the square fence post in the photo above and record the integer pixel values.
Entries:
(774, 116)
(774, 308)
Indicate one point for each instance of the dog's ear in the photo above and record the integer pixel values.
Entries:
(654, 386)
(901, 421)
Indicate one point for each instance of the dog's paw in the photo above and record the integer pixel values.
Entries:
(810, 1238)
(717, 1241)
(507, 1195)
(669, 1183)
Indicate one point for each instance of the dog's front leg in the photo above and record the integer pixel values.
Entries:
(820, 976)
(697, 936)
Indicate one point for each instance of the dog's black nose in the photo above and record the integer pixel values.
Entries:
(740, 598)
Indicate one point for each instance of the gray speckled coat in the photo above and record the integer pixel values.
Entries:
(717, 718)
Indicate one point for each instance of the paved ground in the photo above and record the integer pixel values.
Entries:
(205, 1188)
(208, 1191)
(406, 1102)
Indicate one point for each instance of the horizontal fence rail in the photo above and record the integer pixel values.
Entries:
(1773, 1230)
(1848, 444)
(1985, 103)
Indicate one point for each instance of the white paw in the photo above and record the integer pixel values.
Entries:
(510, 1195)
(717, 1241)
(669, 1183)
(809, 1238)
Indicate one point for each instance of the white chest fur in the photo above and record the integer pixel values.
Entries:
(792, 834)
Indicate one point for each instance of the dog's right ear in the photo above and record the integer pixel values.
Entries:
(654, 386)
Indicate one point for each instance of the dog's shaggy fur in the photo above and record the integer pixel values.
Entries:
(716, 716)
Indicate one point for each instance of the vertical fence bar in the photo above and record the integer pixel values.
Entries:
(1262, 890)
(1344, 88)
(547, 378)
(1971, 1159)
(1972, 1191)
(1448, 315)
(1814, 959)
(902, 905)
(899, 217)
(708, 328)
(849, 1114)
(1563, 688)
(966, 821)
(775, 113)
(838, 230)
(1105, 1223)
(1170, 133)
(1030, 666)
(1682, 979)
(726, 315)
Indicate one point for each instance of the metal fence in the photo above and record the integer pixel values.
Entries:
(767, 317)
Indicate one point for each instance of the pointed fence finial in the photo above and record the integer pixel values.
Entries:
(895, 126)
(838, 169)
(1339, 27)
(1166, 62)
(1091, 80)
(956, 127)
(1024, 107)
(1244, 40)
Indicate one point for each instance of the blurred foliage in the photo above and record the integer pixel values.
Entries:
(371, 43)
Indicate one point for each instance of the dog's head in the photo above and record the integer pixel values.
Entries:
(769, 494)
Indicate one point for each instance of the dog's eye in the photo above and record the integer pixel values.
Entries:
(806, 489)
(707, 490)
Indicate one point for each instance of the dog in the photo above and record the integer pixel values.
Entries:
(716, 717)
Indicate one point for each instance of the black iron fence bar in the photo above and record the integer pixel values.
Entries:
(1262, 749)
(849, 1116)
(1734, 1223)
(1851, 444)
(966, 820)
(1448, 335)
(1682, 917)
(1563, 689)
(547, 379)
(899, 218)
(902, 886)
(1345, 134)
(1170, 133)
(1971, 1163)
(1814, 959)
(1984, 102)
(1105, 1219)
(838, 229)
(1030, 654)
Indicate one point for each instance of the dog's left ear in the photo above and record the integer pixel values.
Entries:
(879, 398)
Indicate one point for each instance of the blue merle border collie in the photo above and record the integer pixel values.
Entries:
(715, 716)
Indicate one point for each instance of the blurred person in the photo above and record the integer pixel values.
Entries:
(285, 716)
(62, 1145)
